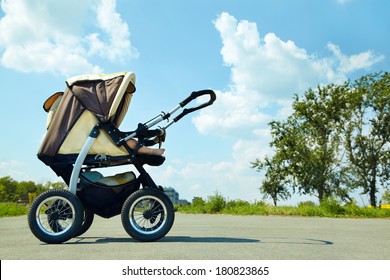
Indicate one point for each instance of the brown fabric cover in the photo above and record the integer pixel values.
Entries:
(95, 96)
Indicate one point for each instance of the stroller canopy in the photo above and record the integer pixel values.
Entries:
(87, 101)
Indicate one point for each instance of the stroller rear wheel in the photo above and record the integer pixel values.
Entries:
(55, 216)
(147, 215)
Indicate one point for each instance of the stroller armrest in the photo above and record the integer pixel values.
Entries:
(149, 143)
(143, 134)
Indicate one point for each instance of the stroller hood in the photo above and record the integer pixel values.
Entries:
(102, 97)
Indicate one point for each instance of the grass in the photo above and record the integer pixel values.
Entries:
(219, 205)
(9, 209)
(310, 211)
(329, 208)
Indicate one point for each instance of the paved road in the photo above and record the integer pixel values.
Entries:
(211, 237)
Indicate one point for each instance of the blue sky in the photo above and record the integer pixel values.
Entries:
(255, 54)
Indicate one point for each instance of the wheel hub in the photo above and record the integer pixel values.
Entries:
(54, 216)
(148, 214)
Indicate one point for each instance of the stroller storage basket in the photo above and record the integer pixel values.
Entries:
(102, 199)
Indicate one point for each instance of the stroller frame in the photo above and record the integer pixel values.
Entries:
(58, 215)
(116, 135)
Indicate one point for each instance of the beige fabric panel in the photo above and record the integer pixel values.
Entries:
(104, 77)
(79, 134)
(122, 113)
(126, 88)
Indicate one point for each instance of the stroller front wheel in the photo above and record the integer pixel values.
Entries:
(55, 216)
(147, 215)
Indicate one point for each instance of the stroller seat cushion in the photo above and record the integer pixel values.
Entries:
(115, 180)
(92, 176)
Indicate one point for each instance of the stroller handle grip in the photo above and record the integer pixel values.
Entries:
(165, 116)
(194, 95)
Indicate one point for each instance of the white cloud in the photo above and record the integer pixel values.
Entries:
(11, 168)
(265, 73)
(230, 112)
(46, 57)
(232, 179)
(119, 46)
(51, 36)
(351, 63)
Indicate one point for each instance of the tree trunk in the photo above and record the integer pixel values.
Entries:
(320, 193)
(275, 199)
(373, 188)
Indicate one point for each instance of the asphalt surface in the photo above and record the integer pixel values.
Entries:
(211, 237)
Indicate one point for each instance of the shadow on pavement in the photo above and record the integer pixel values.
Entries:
(189, 239)
(170, 239)
(288, 240)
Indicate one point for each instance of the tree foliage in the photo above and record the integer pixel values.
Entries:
(14, 191)
(274, 184)
(367, 135)
(336, 140)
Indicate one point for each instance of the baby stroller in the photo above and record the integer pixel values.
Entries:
(83, 137)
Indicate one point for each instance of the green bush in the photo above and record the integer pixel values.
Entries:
(306, 204)
(10, 209)
(216, 203)
(332, 206)
(198, 202)
(237, 203)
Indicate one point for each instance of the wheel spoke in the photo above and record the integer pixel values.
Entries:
(151, 204)
(157, 208)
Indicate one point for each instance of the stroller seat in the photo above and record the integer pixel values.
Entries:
(88, 100)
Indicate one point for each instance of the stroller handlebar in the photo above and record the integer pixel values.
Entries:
(194, 95)
(164, 116)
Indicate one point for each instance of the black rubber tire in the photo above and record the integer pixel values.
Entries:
(55, 216)
(87, 222)
(147, 215)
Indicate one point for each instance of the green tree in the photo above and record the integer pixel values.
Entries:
(8, 189)
(24, 188)
(12, 190)
(320, 115)
(274, 184)
(307, 146)
(336, 139)
(368, 133)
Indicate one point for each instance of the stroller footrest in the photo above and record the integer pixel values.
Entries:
(151, 160)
